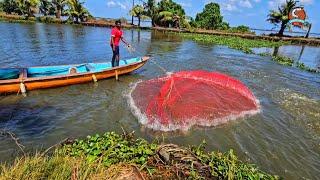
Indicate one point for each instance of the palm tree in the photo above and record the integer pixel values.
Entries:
(281, 15)
(151, 11)
(59, 5)
(138, 11)
(165, 18)
(27, 7)
(45, 7)
(8, 6)
(77, 11)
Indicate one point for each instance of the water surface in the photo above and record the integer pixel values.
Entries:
(283, 139)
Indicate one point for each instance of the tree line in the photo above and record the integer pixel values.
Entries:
(167, 13)
(164, 13)
(74, 9)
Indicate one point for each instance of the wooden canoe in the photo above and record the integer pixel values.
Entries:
(15, 80)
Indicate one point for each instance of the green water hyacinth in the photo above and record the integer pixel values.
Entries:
(100, 156)
(244, 45)
(111, 148)
(290, 62)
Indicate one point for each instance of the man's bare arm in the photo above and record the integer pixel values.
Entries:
(124, 41)
(112, 43)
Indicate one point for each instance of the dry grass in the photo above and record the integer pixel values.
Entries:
(60, 167)
(126, 158)
(51, 167)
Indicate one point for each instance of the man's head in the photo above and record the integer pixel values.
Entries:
(118, 24)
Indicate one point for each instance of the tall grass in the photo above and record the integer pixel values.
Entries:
(56, 166)
(113, 156)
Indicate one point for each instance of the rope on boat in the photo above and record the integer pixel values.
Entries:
(117, 77)
(23, 89)
(151, 59)
(94, 78)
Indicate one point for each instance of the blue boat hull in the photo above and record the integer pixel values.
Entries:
(55, 76)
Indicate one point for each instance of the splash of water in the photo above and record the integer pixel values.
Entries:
(181, 100)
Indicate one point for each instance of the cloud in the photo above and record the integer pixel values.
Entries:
(116, 4)
(235, 5)
(185, 4)
(276, 3)
(111, 4)
(245, 3)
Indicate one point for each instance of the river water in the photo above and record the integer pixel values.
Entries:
(283, 139)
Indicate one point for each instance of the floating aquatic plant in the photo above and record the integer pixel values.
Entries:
(246, 45)
(112, 155)
(233, 42)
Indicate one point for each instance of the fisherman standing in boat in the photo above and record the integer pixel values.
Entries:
(116, 36)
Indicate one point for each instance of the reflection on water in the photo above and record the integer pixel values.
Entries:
(308, 55)
(279, 140)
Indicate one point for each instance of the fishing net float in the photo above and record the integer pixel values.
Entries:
(191, 98)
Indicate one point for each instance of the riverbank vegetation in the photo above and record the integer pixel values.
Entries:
(280, 16)
(167, 13)
(246, 46)
(112, 156)
(44, 10)
(163, 13)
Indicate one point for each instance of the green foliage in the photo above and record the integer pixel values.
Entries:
(48, 19)
(169, 13)
(240, 29)
(283, 60)
(280, 16)
(9, 6)
(210, 18)
(306, 68)
(151, 11)
(138, 11)
(224, 26)
(91, 158)
(111, 148)
(59, 6)
(290, 62)
(166, 13)
(228, 166)
(77, 12)
(27, 7)
(46, 7)
(56, 166)
(238, 43)
(21, 7)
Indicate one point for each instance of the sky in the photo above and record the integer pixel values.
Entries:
(252, 13)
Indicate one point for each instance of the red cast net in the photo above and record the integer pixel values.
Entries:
(184, 99)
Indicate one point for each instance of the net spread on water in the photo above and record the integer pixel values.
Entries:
(184, 99)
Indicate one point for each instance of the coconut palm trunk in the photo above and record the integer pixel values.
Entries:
(282, 28)
(58, 12)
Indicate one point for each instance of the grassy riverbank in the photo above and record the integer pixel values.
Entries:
(246, 45)
(24, 19)
(238, 43)
(113, 156)
(232, 40)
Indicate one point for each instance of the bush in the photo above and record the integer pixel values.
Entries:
(224, 26)
(240, 29)
(97, 157)
(48, 19)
